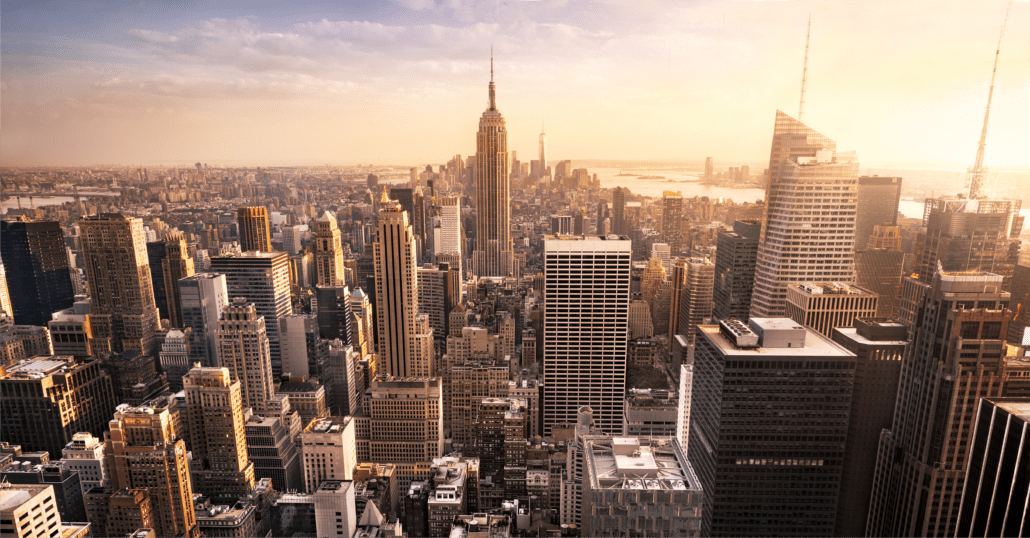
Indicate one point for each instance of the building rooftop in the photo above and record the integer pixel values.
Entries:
(328, 425)
(1018, 407)
(638, 463)
(816, 345)
(40, 367)
(830, 288)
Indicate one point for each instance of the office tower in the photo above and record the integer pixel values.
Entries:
(432, 297)
(307, 397)
(735, 255)
(221, 467)
(956, 357)
(677, 284)
(5, 295)
(263, 278)
(175, 358)
(824, 307)
(29, 511)
(664, 253)
(135, 377)
(85, 455)
(335, 513)
(305, 352)
(586, 328)
(627, 476)
(347, 380)
(650, 413)
(291, 239)
(969, 235)
(996, 486)
(334, 313)
(493, 255)
(877, 204)
(405, 420)
(44, 402)
(879, 267)
(243, 349)
(543, 135)
(467, 381)
(695, 302)
(364, 322)
(1019, 305)
(328, 450)
(672, 221)
(709, 169)
(270, 446)
(561, 224)
(123, 314)
(651, 280)
(176, 265)
(619, 211)
(640, 325)
(879, 345)
(144, 452)
(750, 418)
(500, 446)
(202, 298)
(255, 229)
(449, 240)
(119, 513)
(328, 251)
(683, 408)
(403, 348)
(70, 332)
(799, 241)
(36, 265)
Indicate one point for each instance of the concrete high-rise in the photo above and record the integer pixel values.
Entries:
(145, 452)
(176, 265)
(449, 236)
(619, 211)
(123, 314)
(956, 357)
(328, 450)
(174, 358)
(762, 469)
(695, 303)
(824, 307)
(216, 429)
(808, 232)
(735, 255)
(586, 328)
(402, 346)
(262, 278)
(879, 344)
(243, 349)
(672, 221)
(877, 205)
(969, 235)
(202, 298)
(44, 402)
(493, 255)
(36, 265)
(255, 229)
(402, 420)
(328, 251)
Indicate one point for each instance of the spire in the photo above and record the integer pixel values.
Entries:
(977, 171)
(804, 73)
(493, 97)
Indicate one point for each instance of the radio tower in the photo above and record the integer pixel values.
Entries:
(804, 73)
(976, 173)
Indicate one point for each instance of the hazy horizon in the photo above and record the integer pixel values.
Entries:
(902, 84)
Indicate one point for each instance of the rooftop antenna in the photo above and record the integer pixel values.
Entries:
(976, 173)
(804, 73)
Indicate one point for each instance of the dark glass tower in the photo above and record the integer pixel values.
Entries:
(735, 255)
(33, 253)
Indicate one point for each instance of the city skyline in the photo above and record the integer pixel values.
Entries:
(659, 82)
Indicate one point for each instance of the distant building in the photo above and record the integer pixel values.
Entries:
(255, 229)
(877, 204)
(735, 256)
(650, 413)
(37, 270)
(202, 298)
(824, 307)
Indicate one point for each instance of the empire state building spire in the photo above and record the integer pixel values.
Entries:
(493, 254)
(493, 93)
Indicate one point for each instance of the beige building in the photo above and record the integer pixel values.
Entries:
(328, 252)
(824, 307)
(695, 304)
(85, 454)
(402, 421)
(329, 451)
(144, 451)
(640, 325)
(123, 314)
(405, 337)
(467, 385)
(217, 432)
(30, 511)
(243, 349)
(335, 512)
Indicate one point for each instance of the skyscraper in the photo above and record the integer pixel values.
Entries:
(449, 240)
(877, 204)
(328, 251)
(493, 255)
(145, 452)
(214, 414)
(5, 295)
(243, 349)
(826, 306)
(809, 229)
(202, 298)
(753, 442)
(175, 358)
(123, 314)
(543, 135)
(177, 264)
(255, 230)
(586, 328)
(879, 267)
(735, 255)
(402, 349)
(263, 278)
(695, 303)
(672, 221)
(36, 264)
(956, 357)
(619, 211)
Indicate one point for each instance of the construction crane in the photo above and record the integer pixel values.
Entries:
(976, 173)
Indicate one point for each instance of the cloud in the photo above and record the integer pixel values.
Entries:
(417, 5)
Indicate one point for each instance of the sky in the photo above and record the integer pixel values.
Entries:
(901, 82)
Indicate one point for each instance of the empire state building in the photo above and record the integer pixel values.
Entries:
(493, 254)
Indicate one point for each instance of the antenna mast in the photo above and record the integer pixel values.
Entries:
(804, 73)
(976, 173)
